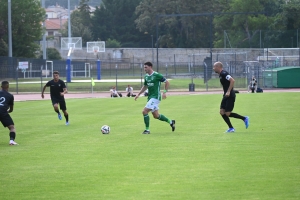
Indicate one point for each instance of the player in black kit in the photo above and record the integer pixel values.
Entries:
(228, 100)
(6, 107)
(57, 91)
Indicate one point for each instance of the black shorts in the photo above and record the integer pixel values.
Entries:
(6, 120)
(227, 103)
(60, 102)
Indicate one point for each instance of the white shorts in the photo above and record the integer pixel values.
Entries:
(153, 104)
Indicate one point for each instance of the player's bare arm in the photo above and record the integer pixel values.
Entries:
(64, 92)
(231, 80)
(144, 88)
(43, 91)
(167, 84)
(11, 108)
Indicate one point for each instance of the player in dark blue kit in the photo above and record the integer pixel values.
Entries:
(6, 107)
(228, 100)
(57, 91)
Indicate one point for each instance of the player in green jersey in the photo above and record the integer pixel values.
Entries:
(152, 82)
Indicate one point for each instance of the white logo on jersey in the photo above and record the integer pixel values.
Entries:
(228, 77)
(2, 100)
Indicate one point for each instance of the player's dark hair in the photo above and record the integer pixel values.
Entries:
(148, 64)
(56, 72)
(4, 83)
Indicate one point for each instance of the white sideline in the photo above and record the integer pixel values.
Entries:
(88, 81)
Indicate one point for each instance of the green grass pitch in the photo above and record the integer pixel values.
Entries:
(197, 161)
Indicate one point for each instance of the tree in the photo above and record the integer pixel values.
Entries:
(287, 21)
(80, 23)
(52, 54)
(115, 19)
(180, 31)
(3, 45)
(27, 16)
(112, 43)
(243, 29)
(84, 12)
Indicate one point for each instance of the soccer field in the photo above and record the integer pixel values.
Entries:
(197, 161)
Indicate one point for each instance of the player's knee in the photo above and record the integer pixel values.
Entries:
(222, 112)
(11, 128)
(228, 114)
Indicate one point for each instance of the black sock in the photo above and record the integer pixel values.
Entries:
(67, 117)
(227, 120)
(12, 135)
(57, 111)
(235, 115)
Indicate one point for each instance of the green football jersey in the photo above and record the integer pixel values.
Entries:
(153, 82)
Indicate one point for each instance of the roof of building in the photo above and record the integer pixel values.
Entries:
(55, 23)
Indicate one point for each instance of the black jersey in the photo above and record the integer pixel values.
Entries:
(6, 100)
(224, 79)
(56, 88)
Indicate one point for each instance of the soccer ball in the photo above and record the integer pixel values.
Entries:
(105, 129)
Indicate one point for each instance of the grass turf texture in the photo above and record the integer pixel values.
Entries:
(197, 161)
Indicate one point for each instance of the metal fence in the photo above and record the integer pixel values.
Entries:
(241, 65)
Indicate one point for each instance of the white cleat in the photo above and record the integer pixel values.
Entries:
(13, 143)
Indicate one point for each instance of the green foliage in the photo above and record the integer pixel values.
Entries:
(80, 23)
(270, 29)
(112, 43)
(3, 45)
(3, 48)
(197, 161)
(52, 54)
(115, 19)
(27, 16)
(188, 32)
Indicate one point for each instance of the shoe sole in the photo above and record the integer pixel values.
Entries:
(173, 125)
(145, 133)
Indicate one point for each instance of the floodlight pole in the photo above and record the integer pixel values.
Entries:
(44, 35)
(152, 49)
(297, 38)
(69, 20)
(157, 42)
(9, 29)
(141, 75)
(210, 34)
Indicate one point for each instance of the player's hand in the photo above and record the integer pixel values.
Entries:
(227, 94)
(137, 96)
(42, 96)
(164, 96)
(62, 94)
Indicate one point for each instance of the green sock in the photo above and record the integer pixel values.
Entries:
(147, 121)
(163, 118)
